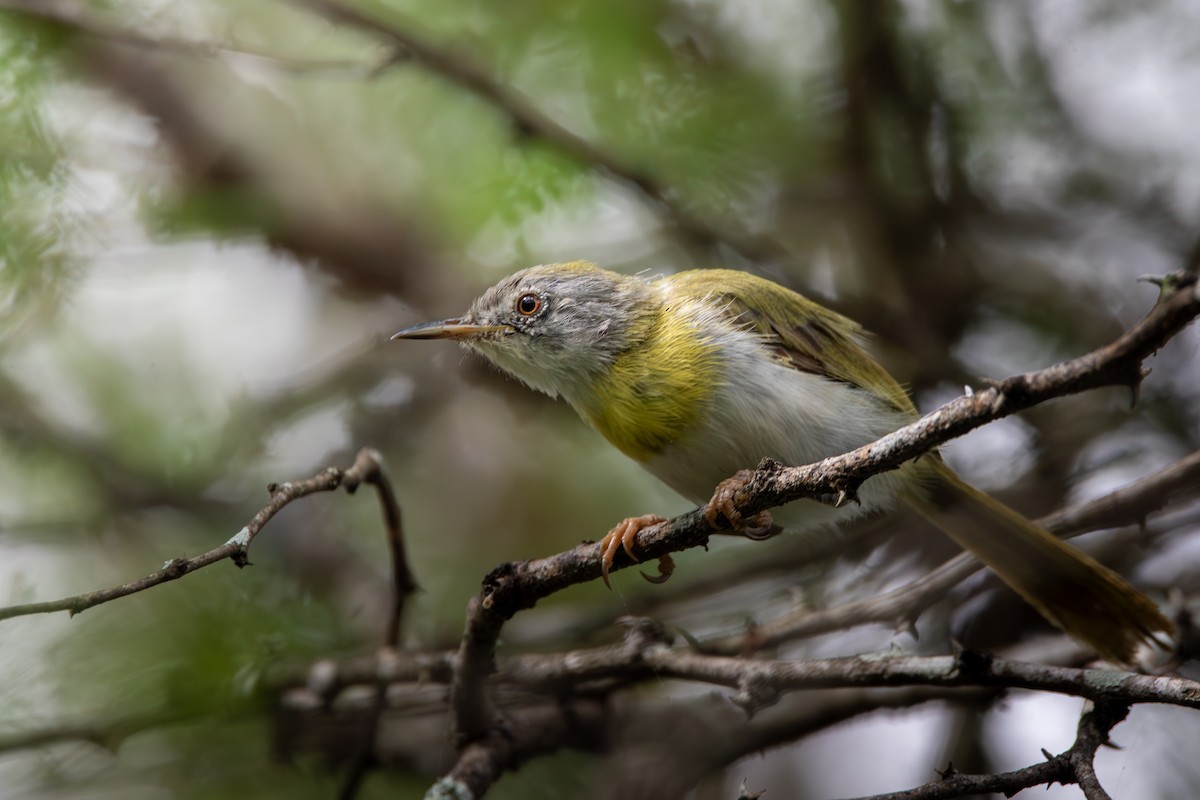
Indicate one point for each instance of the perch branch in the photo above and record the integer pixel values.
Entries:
(1128, 505)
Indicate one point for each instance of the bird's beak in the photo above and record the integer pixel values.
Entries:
(450, 329)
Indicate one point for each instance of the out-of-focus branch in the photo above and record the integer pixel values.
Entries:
(74, 19)
(368, 246)
(515, 586)
(579, 724)
(104, 733)
(236, 549)
(529, 121)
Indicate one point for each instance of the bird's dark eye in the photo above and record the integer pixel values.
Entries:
(528, 304)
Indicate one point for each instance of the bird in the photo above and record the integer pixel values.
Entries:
(700, 375)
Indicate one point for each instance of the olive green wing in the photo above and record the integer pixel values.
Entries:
(796, 331)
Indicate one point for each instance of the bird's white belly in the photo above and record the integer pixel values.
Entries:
(769, 410)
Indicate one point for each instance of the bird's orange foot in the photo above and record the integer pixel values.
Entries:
(721, 505)
(623, 537)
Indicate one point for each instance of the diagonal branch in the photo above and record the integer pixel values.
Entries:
(528, 120)
(1127, 505)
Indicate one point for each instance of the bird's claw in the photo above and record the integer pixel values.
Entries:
(757, 527)
(623, 536)
(666, 568)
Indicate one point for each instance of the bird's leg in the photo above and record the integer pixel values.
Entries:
(623, 536)
(757, 527)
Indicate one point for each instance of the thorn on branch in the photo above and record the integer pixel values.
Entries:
(845, 496)
(755, 693)
(950, 772)
(746, 793)
(907, 625)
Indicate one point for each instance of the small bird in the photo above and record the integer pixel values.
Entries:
(700, 375)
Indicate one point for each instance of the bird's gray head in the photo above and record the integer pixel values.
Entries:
(555, 327)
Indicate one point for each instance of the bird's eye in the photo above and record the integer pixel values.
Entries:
(528, 304)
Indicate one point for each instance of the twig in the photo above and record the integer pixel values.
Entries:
(1072, 766)
(368, 468)
(515, 586)
(236, 549)
(108, 734)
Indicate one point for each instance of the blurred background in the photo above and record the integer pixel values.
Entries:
(214, 214)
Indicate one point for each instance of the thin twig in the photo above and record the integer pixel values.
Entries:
(368, 468)
(106, 733)
(236, 550)
(1075, 765)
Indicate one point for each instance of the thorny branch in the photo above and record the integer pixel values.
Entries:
(1074, 766)
(1127, 505)
(366, 467)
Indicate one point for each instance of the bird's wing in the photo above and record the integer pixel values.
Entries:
(796, 331)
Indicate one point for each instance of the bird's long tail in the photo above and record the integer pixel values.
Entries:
(1070, 589)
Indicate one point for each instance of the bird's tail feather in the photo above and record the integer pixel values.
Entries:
(1069, 588)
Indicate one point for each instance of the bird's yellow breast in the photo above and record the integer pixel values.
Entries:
(658, 388)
